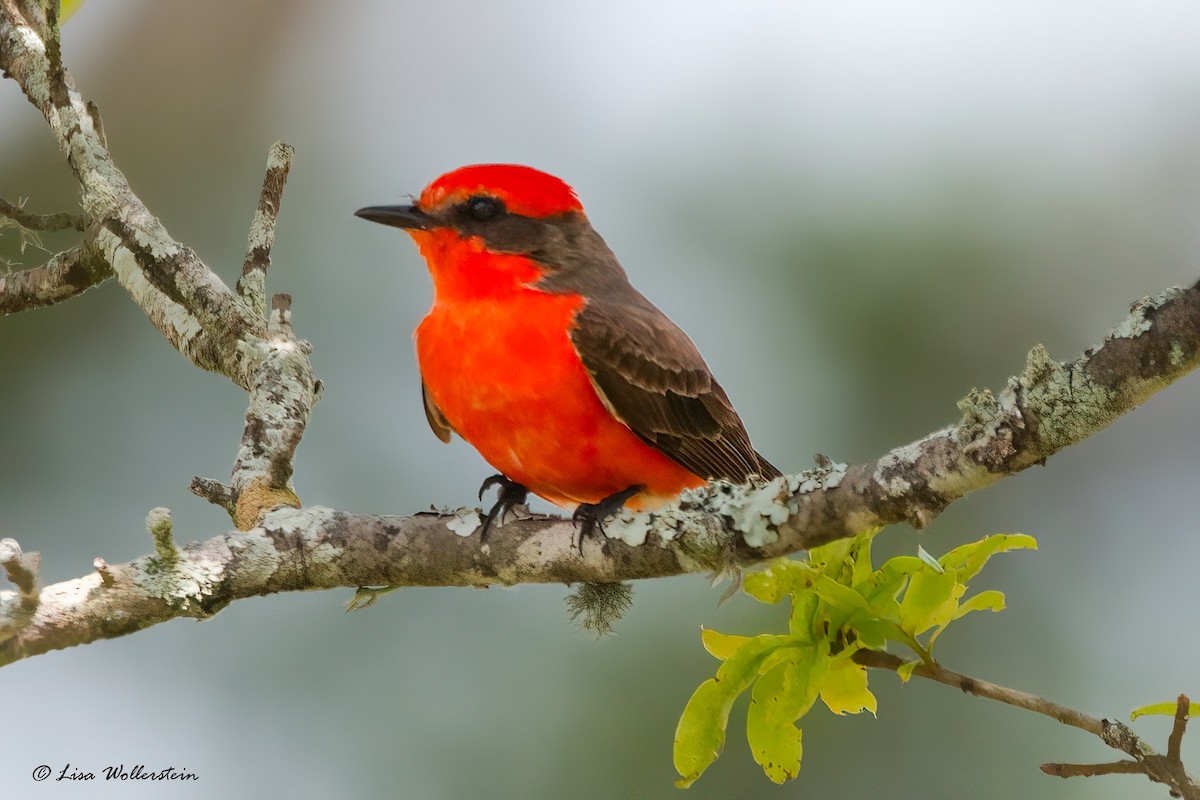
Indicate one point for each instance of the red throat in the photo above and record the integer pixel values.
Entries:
(463, 270)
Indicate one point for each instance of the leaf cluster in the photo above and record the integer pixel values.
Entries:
(840, 604)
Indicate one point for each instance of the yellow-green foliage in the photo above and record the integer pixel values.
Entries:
(840, 604)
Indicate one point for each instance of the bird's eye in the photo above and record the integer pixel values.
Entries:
(483, 208)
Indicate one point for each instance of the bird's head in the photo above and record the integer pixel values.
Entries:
(493, 201)
(497, 225)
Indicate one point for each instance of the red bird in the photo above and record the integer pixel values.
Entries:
(540, 353)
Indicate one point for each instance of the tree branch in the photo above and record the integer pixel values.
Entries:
(281, 396)
(62, 277)
(717, 528)
(1175, 741)
(1167, 770)
(197, 313)
(1051, 405)
(252, 286)
(185, 300)
(1124, 767)
(41, 222)
(992, 691)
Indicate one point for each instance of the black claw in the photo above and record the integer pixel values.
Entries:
(511, 494)
(591, 516)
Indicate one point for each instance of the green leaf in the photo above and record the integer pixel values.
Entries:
(991, 600)
(874, 633)
(905, 670)
(901, 566)
(831, 555)
(1164, 709)
(968, 559)
(771, 725)
(844, 689)
(840, 597)
(777, 749)
(700, 734)
(802, 677)
(892, 576)
(721, 645)
(930, 600)
(885, 585)
(839, 604)
(802, 620)
(783, 577)
(844, 559)
(862, 562)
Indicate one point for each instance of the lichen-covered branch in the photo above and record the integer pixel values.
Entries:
(252, 286)
(1049, 406)
(41, 222)
(281, 397)
(186, 301)
(216, 328)
(714, 529)
(63, 276)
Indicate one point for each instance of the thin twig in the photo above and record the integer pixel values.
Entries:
(252, 285)
(213, 491)
(1124, 767)
(1168, 770)
(1175, 741)
(982, 688)
(46, 223)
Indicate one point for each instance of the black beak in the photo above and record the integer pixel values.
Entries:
(408, 217)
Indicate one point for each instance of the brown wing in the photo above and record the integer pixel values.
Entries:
(441, 428)
(651, 376)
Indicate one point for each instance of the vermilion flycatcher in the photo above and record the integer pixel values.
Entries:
(540, 353)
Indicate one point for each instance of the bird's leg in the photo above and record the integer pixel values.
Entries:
(511, 494)
(592, 515)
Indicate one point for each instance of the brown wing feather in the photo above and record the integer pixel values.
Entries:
(437, 422)
(652, 377)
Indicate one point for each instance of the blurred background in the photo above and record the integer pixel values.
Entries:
(858, 211)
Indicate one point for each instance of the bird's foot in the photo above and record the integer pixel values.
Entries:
(591, 516)
(511, 494)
